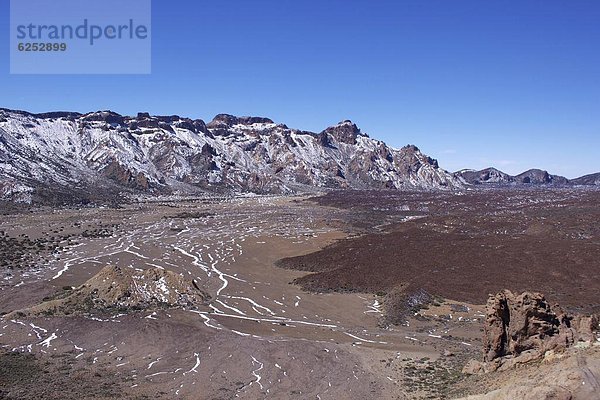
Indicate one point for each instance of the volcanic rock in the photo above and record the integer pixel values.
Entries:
(518, 323)
(345, 132)
(591, 179)
(522, 328)
(109, 117)
(487, 175)
(571, 375)
(538, 176)
(123, 289)
(493, 176)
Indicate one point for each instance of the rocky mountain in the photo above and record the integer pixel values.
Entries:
(537, 176)
(488, 175)
(497, 177)
(64, 157)
(591, 179)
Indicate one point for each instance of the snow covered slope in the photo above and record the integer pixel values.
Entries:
(61, 155)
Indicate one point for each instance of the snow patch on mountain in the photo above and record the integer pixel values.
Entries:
(170, 154)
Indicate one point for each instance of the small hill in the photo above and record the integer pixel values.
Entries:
(591, 179)
(116, 289)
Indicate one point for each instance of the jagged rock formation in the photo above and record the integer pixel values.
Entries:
(521, 328)
(517, 323)
(104, 152)
(116, 289)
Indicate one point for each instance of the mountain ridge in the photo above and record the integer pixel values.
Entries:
(493, 176)
(71, 157)
(66, 153)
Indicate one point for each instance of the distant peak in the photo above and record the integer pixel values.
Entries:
(534, 171)
(230, 120)
(52, 114)
(411, 147)
(107, 116)
(344, 132)
(102, 112)
(492, 170)
(223, 119)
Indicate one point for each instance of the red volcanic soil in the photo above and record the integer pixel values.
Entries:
(467, 246)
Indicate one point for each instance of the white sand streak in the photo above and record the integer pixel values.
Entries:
(153, 362)
(194, 368)
(46, 342)
(254, 303)
(66, 266)
(255, 372)
(362, 339)
(206, 318)
(196, 260)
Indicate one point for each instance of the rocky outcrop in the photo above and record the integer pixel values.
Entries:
(109, 117)
(520, 328)
(120, 174)
(222, 124)
(570, 375)
(116, 289)
(517, 323)
(344, 132)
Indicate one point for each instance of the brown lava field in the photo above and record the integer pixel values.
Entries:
(463, 247)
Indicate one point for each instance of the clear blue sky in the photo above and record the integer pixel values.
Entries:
(514, 84)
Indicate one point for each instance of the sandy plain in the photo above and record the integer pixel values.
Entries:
(260, 336)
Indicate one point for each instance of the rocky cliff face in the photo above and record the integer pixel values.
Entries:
(108, 152)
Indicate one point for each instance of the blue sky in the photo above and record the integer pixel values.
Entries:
(514, 84)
